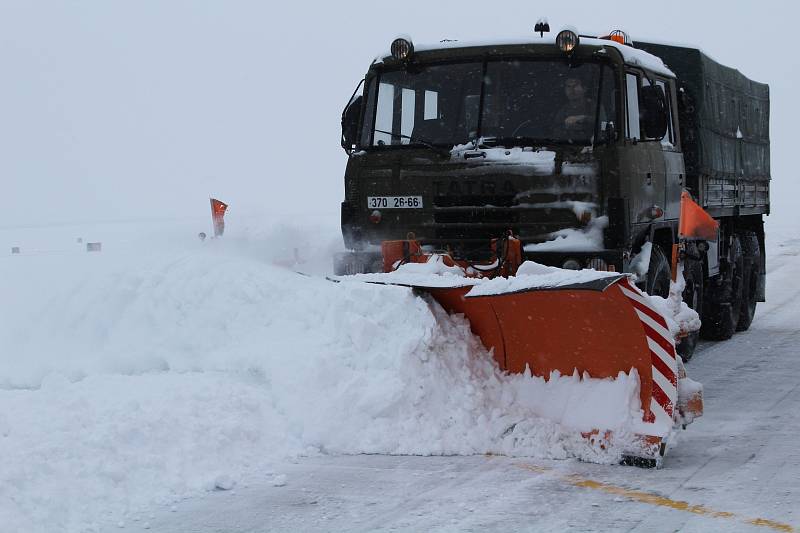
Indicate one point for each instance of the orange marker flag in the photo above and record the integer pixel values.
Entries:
(695, 223)
(218, 216)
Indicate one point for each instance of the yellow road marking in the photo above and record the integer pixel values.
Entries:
(654, 499)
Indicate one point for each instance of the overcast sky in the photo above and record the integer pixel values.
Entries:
(117, 110)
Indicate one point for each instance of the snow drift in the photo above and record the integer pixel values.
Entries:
(136, 377)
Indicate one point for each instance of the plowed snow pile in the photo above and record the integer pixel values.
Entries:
(138, 376)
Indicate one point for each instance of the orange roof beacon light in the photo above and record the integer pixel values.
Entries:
(618, 36)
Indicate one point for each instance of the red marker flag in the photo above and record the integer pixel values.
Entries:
(218, 216)
(695, 223)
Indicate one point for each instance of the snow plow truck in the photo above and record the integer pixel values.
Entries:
(586, 153)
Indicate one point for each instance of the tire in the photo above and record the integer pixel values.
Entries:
(752, 265)
(658, 274)
(723, 302)
(693, 296)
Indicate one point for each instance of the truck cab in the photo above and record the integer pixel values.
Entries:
(572, 144)
(569, 144)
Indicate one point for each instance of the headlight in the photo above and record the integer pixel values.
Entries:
(402, 49)
(567, 41)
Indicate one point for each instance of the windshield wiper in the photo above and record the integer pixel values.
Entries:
(536, 142)
(441, 151)
(513, 141)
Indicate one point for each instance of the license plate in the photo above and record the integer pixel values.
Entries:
(394, 202)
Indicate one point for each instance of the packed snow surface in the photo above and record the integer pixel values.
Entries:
(735, 469)
(164, 367)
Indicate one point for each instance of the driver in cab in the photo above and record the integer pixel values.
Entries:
(575, 119)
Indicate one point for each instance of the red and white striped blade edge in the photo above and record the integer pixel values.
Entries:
(662, 354)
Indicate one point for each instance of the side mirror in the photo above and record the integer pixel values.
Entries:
(350, 118)
(653, 112)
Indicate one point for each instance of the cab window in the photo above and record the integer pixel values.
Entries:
(632, 98)
(669, 138)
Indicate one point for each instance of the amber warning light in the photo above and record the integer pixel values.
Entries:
(618, 36)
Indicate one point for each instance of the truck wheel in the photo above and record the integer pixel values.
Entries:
(752, 262)
(723, 303)
(693, 296)
(658, 274)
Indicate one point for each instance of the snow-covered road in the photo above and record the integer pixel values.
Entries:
(135, 381)
(736, 469)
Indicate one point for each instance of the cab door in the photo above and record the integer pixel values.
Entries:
(641, 160)
(658, 169)
(675, 173)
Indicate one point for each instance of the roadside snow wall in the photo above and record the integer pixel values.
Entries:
(135, 378)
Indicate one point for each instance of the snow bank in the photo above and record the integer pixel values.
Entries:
(145, 374)
(81, 456)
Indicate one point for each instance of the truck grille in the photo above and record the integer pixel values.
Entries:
(463, 233)
(473, 201)
(475, 216)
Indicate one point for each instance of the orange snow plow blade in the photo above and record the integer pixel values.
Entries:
(600, 328)
(592, 329)
(595, 323)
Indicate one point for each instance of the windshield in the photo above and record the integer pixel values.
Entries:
(524, 102)
(437, 104)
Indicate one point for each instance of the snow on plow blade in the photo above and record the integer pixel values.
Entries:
(600, 327)
(554, 321)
